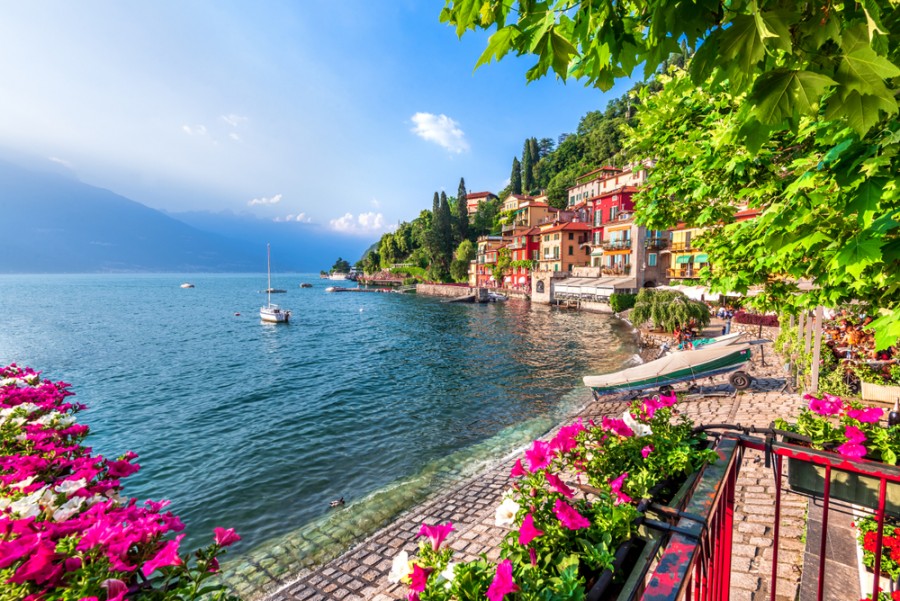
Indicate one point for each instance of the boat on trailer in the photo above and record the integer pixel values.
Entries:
(687, 366)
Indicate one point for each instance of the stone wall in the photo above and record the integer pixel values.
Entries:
(753, 332)
(443, 290)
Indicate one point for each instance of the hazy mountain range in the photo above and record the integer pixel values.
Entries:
(53, 223)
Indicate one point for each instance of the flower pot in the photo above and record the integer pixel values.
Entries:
(880, 392)
(856, 489)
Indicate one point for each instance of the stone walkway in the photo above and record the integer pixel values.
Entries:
(361, 573)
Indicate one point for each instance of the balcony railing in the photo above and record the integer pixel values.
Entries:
(616, 270)
(680, 273)
(656, 243)
(616, 244)
(681, 246)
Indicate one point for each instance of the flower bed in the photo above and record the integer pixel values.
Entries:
(574, 501)
(65, 530)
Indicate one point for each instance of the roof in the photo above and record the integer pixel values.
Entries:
(746, 214)
(569, 226)
(534, 203)
(597, 170)
(521, 197)
(479, 195)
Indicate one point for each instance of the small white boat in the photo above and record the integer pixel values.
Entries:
(272, 313)
(331, 289)
(187, 285)
(337, 276)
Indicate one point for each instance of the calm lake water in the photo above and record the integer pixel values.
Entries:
(378, 398)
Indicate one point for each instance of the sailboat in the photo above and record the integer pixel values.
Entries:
(272, 313)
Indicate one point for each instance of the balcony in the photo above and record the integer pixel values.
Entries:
(616, 244)
(507, 228)
(616, 270)
(679, 274)
(656, 243)
(681, 246)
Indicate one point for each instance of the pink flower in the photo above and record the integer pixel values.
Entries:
(559, 486)
(616, 486)
(830, 406)
(616, 426)
(517, 470)
(121, 469)
(852, 450)
(225, 538)
(40, 567)
(436, 534)
(869, 415)
(115, 589)
(166, 556)
(419, 578)
(566, 440)
(528, 532)
(503, 583)
(532, 555)
(854, 434)
(649, 407)
(646, 451)
(569, 516)
(213, 566)
(538, 455)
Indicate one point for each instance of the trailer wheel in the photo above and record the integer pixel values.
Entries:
(740, 380)
(666, 390)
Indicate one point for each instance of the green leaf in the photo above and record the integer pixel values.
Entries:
(498, 45)
(861, 112)
(740, 49)
(782, 94)
(887, 329)
(858, 253)
(865, 71)
(865, 202)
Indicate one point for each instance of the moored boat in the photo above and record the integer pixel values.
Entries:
(676, 368)
(272, 313)
(187, 285)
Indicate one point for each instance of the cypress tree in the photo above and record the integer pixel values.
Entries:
(446, 231)
(527, 168)
(462, 214)
(515, 178)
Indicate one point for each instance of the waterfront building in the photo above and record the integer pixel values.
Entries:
(481, 269)
(686, 260)
(474, 199)
(524, 250)
(563, 245)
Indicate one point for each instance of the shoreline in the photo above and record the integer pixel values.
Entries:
(361, 571)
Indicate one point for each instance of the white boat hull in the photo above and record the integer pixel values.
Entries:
(272, 314)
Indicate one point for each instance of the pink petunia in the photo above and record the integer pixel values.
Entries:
(645, 452)
(503, 583)
(565, 440)
(831, 405)
(616, 426)
(436, 534)
(528, 532)
(538, 455)
(869, 415)
(419, 578)
(40, 567)
(517, 470)
(569, 516)
(667, 400)
(225, 537)
(559, 486)
(616, 486)
(649, 407)
(121, 469)
(166, 556)
(852, 450)
(532, 555)
(115, 589)
(854, 434)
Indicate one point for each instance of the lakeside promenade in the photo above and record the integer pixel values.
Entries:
(361, 572)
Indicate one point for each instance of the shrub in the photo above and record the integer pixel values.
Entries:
(668, 309)
(621, 302)
(754, 319)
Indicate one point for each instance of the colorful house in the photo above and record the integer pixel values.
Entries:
(474, 199)
(524, 251)
(563, 246)
(481, 270)
(686, 259)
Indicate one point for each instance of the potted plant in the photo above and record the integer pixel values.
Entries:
(881, 384)
(854, 433)
(573, 502)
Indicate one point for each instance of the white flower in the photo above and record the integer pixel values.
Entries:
(32, 380)
(506, 512)
(29, 505)
(68, 509)
(637, 427)
(70, 486)
(447, 574)
(23, 483)
(399, 568)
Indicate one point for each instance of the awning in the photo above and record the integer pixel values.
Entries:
(701, 258)
(521, 279)
(683, 259)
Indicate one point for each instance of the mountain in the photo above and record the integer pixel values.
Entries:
(296, 246)
(55, 224)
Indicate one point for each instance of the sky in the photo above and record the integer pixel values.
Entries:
(348, 115)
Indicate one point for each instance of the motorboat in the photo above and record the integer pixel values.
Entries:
(337, 276)
(187, 285)
(718, 341)
(272, 313)
(674, 368)
(306, 285)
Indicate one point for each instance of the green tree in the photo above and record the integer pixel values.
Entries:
(459, 268)
(527, 168)
(666, 309)
(487, 212)
(504, 259)
(461, 223)
(515, 177)
(340, 266)
(815, 83)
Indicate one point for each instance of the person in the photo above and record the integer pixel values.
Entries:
(723, 330)
(727, 326)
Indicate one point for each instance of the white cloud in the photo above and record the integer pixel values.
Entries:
(362, 224)
(233, 120)
(274, 200)
(234, 137)
(301, 218)
(441, 130)
(196, 130)
(62, 162)
(375, 203)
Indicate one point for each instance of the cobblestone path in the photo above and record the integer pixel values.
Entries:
(361, 572)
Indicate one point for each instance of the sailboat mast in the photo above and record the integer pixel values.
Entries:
(269, 270)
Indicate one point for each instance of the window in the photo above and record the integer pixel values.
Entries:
(613, 213)
(651, 260)
(571, 236)
(571, 250)
(540, 286)
(556, 236)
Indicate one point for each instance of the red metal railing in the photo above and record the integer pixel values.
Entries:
(696, 562)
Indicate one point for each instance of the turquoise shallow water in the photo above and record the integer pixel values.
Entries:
(374, 397)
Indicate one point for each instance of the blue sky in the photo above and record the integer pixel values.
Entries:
(346, 114)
